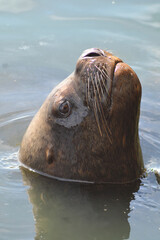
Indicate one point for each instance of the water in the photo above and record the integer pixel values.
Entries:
(40, 42)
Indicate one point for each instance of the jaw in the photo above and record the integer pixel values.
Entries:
(124, 117)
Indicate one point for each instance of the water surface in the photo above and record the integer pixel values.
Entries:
(40, 42)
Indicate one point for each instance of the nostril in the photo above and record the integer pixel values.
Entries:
(92, 54)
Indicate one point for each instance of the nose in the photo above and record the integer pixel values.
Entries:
(92, 52)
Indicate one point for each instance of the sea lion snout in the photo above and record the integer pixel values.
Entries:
(94, 55)
(87, 128)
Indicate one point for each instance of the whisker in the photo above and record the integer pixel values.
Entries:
(100, 108)
(95, 94)
(105, 73)
(86, 80)
(105, 124)
(101, 75)
(98, 89)
(88, 85)
(95, 89)
(96, 116)
(99, 81)
(106, 128)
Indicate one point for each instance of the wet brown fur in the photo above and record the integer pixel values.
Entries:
(99, 140)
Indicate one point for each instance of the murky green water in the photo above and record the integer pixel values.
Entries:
(40, 42)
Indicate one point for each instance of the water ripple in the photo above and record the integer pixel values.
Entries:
(9, 160)
(7, 122)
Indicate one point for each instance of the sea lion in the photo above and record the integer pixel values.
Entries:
(87, 128)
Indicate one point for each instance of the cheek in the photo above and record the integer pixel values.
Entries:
(75, 118)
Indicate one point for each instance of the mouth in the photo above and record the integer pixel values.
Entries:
(99, 58)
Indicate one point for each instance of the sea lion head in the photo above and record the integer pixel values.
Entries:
(87, 128)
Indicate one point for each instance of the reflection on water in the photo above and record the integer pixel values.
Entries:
(73, 211)
(40, 42)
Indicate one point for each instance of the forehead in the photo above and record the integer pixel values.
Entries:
(63, 90)
(67, 90)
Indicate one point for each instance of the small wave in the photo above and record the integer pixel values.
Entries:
(24, 47)
(153, 165)
(151, 137)
(9, 160)
(60, 18)
(15, 119)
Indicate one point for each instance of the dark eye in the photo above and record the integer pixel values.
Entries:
(65, 108)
